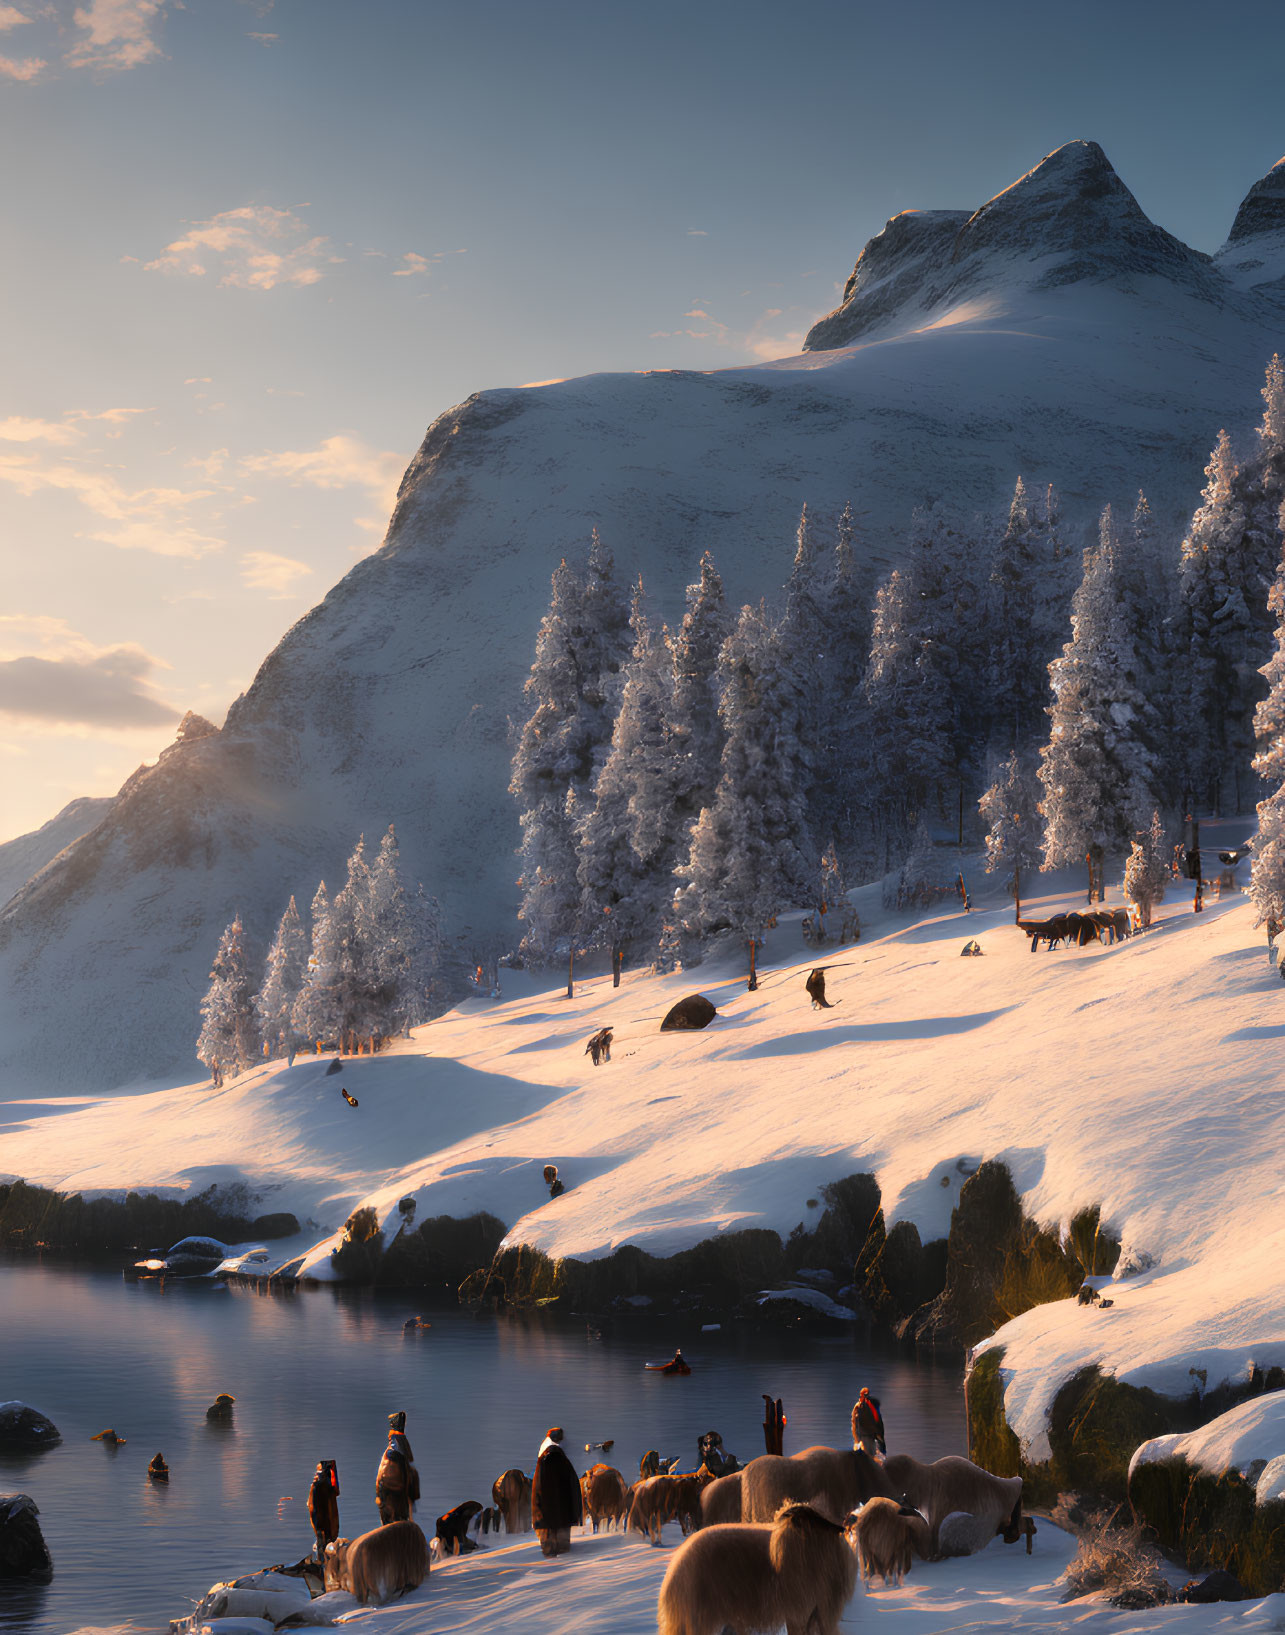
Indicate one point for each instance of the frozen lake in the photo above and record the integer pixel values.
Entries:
(315, 1374)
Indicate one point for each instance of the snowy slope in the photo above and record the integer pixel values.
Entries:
(28, 854)
(1074, 342)
(1143, 1078)
(1249, 1439)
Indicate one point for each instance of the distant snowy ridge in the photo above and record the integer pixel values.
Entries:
(1035, 351)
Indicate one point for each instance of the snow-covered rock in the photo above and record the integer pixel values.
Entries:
(1055, 332)
(1249, 1439)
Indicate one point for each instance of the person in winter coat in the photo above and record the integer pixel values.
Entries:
(867, 1425)
(396, 1480)
(556, 1504)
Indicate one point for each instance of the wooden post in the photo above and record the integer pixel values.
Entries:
(571, 969)
(1017, 895)
(617, 960)
(754, 978)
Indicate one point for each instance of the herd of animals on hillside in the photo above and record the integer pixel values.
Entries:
(778, 1540)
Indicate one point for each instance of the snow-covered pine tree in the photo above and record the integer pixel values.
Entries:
(336, 1005)
(839, 796)
(283, 981)
(752, 855)
(890, 769)
(1096, 769)
(1267, 875)
(426, 952)
(918, 878)
(695, 726)
(384, 929)
(1017, 667)
(312, 1018)
(1015, 835)
(1146, 871)
(574, 684)
(229, 1037)
(629, 838)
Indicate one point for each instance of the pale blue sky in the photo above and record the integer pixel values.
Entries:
(395, 204)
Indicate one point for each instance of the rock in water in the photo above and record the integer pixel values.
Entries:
(24, 1429)
(23, 1551)
(693, 1012)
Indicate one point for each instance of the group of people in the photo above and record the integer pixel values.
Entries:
(557, 1504)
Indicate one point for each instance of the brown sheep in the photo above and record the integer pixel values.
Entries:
(888, 1535)
(606, 1495)
(667, 1498)
(721, 1500)
(954, 1484)
(835, 1480)
(799, 1572)
(381, 1564)
(511, 1495)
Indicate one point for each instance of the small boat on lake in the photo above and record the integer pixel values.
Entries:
(677, 1364)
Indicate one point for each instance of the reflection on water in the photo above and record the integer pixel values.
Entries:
(315, 1373)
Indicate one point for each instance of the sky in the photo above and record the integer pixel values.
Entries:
(254, 247)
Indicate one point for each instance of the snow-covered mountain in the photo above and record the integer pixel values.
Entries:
(28, 854)
(1054, 332)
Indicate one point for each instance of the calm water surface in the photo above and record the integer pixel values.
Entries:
(315, 1373)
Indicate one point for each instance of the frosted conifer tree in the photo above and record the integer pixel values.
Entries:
(1017, 669)
(751, 852)
(629, 839)
(1146, 870)
(336, 1005)
(384, 929)
(311, 1018)
(426, 952)
(1096, 768)
(229, 1037)
(696, 728)
(283, 982)
(1015, 834)
(574, 686)
(1267, 876)
(918, 877)
(839, 795)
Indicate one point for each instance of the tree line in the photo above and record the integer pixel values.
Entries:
(366, 971)
(675, 784)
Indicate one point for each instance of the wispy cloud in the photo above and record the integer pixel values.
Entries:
(279, 575)
(144, 519)
(415, 265)
(341, 461)
(117, 34)
(255, 247)
(22, 69)
(51, 673)
(11, 17)
(697, 232)
(20, 428)
(265, 39)
(765, 338)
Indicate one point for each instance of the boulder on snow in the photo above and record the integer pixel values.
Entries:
(693, 1012)
(190, 1257)
(23, 1551)
(1219, 1585)
(24, 1429)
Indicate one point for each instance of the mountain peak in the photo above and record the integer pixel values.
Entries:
(1262, 210)
(1068, 220)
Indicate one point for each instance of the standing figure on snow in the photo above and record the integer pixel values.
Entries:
(815, 988)
(867, 1425)
(556, 1500)
(396, 1480)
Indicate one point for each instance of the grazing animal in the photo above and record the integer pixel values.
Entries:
(453, 1528)
(954, 1484)
(606, 1495)
(1123, 924)
(799, 1572)
(667, 1498)
(220, 1408)
(111, 1439)
(721, 1500)
(1051, 931)
(323, 1505)
(888, 1536)
(351, 1100)
(599, 1046)
(833, 1480)
(380, 1564)
(158, 1470)
(1088, 1295)
(511, 1495)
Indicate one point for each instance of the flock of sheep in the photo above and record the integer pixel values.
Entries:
(776, 1543)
